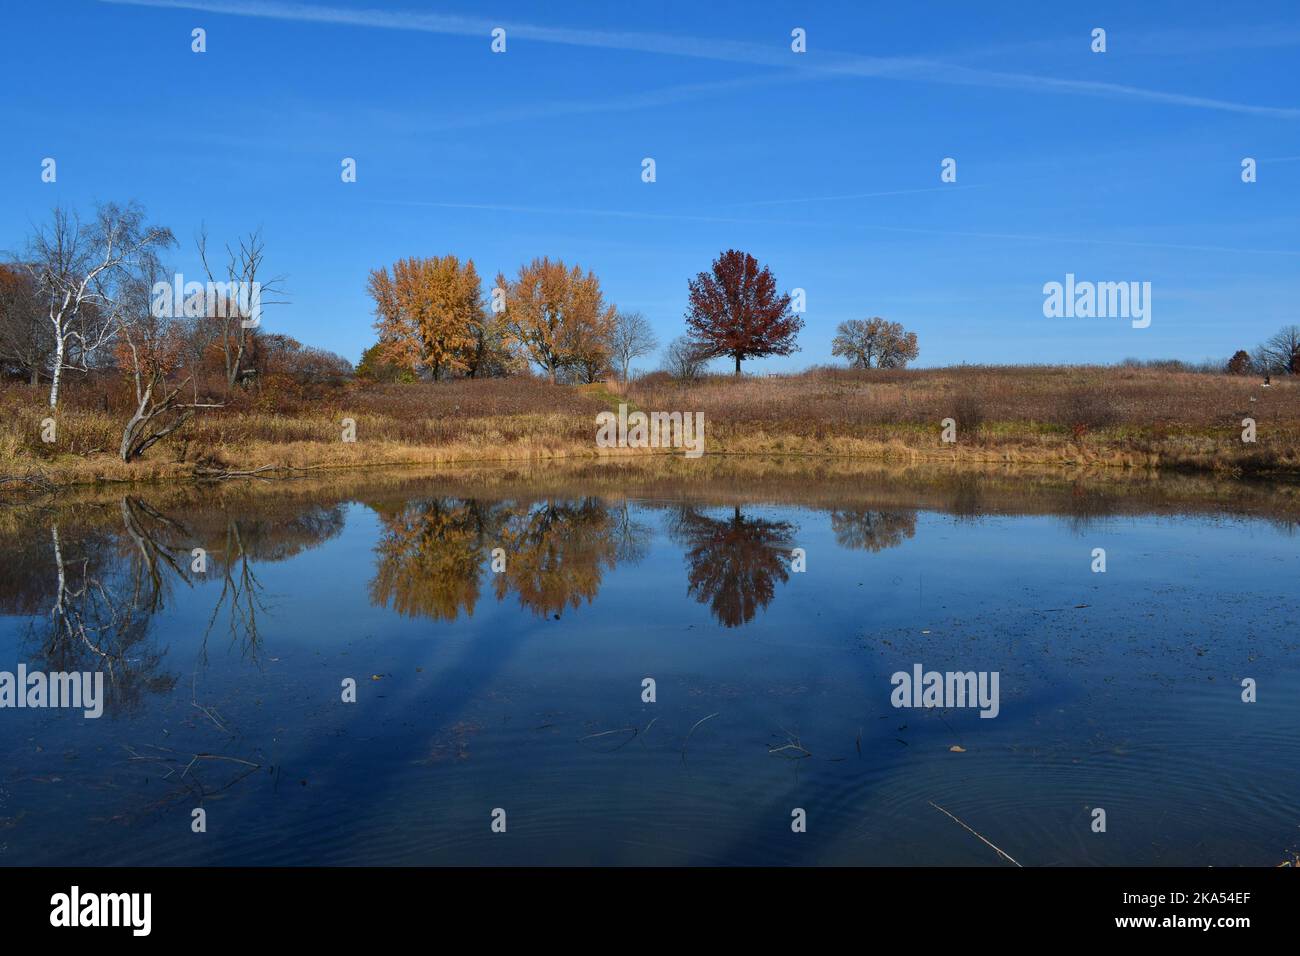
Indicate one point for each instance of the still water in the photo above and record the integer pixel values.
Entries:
(770, 604)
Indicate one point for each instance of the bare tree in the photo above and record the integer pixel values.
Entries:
(245, 283)
(154, 349)
(80, 270)
(631, 338)
(867, 341)
(1280, 353)
(684, 359)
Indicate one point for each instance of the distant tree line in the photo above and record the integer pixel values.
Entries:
(1278, 355)
(77, 302)
(433, 321)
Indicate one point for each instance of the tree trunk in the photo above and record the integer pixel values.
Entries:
(36, 375)
(57, 374)
(127, 450)
(737, 366)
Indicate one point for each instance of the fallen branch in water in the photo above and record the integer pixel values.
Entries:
(209, 712)
(190, 781)
(989, 843)
(265, 472)
(36, 481)
(795, 744)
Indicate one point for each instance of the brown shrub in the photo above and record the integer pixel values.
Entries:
(969, 412)
(1084, 410)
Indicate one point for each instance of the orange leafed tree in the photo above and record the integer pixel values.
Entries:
(427, 312)
(557, 317)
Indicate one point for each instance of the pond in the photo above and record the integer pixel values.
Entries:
(657, 663)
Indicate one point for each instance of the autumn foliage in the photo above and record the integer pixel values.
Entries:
(735, 310)
(557, 318)
(429, 315)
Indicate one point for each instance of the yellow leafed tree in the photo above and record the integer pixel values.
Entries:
(428, 313)
(557, 317)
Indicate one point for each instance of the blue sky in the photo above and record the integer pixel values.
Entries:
(1122, 166)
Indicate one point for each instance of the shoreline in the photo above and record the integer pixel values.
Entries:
(1202, 457)
(844, 486)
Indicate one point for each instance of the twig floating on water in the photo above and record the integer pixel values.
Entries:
(631, 731)
(794, 744)
(645, 730)
(691, 731)
(1000, 852)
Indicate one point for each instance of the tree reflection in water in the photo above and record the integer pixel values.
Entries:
(102, 614)
(95, 588)
(734, 563)
(868, 530)
(432, 553)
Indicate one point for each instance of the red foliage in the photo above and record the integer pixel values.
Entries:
(735, 310)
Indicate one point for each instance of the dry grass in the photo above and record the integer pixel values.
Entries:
(1130, 418)
(420, 424)
(1049, 396)
(1035, 414)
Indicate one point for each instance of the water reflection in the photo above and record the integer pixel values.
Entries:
(101, 621)
(428, 558)
(97, 588)
(432, 554)
(734, 563)
(432, 559)
(93, 584)
(226, 679)
(866, 529)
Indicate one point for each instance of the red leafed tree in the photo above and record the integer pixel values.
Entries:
(735, 310)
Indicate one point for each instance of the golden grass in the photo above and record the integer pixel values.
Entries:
(1076, 415)
(1081, 417)
(1053, 397)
